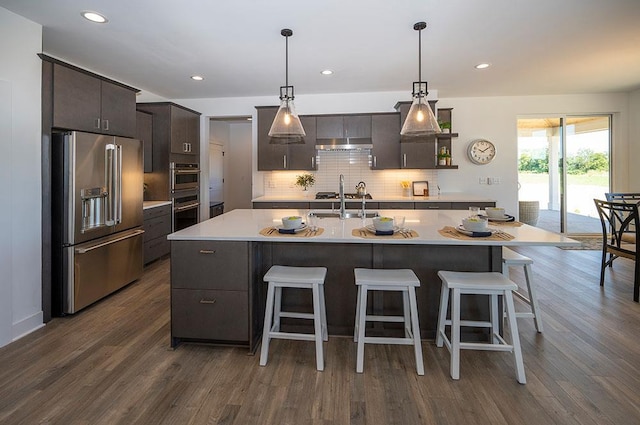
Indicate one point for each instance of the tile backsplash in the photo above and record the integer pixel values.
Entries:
(355, 165)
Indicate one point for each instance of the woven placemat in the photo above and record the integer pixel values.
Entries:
(308, 233)
(363, 232)
(451, 232)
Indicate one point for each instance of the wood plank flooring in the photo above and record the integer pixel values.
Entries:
(112, 364)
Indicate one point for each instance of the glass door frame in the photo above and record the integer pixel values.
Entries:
(560, 158)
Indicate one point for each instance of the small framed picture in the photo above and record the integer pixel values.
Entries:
(421, 188)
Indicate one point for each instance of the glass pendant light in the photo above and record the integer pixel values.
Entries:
(286, 128)
(420, 120)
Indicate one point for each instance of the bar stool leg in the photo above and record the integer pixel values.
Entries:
(362, 313)
(415, 330)
(455, 334)
(317, 325)
(357, 323)
(533, 297)
(515, 337)
(264, 352)
(277, 308)
(495, 327)
(323, 315)
(442, 315)
(406, 313)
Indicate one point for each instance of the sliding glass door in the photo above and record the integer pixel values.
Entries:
(563, 164)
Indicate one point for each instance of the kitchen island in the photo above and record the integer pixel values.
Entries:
(217, 268)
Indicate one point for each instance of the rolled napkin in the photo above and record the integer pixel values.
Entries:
(479, 234)
(288, 231)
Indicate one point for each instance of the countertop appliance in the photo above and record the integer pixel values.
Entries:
(97, 187)
(334, 195)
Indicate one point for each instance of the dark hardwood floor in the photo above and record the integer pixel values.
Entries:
(111, 364)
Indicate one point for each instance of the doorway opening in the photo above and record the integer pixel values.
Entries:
(230, 162)
(563, 164)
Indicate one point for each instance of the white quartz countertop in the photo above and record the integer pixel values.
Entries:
(153, 204)
(444, 197)
(245, 225)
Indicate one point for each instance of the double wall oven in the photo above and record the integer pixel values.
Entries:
(185, 194)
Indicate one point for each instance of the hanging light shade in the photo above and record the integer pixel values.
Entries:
(420, 120)
(286, 127)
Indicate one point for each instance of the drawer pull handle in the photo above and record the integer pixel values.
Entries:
(207, 251)
(203, 301)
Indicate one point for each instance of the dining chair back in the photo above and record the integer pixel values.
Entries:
(619, 236)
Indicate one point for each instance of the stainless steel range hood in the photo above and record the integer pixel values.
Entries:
(347, 143)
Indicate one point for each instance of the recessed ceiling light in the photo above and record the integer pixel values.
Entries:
(94, 17)
(197, 77)
(326, 72)
(482, 65)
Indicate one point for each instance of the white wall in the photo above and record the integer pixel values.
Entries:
(20, 249)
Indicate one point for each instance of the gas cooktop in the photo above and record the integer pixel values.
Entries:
(334, 195)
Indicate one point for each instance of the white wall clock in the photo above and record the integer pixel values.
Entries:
(481, 151)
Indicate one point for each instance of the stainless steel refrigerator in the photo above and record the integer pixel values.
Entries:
(97, 185)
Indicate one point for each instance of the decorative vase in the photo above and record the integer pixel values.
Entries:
(442, 161)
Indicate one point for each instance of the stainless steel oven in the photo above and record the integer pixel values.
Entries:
(186, 209)
(184, 176)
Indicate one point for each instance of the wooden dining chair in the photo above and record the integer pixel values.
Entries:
(623, 197)
(619, 236)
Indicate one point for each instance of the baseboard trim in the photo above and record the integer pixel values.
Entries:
(27, 325)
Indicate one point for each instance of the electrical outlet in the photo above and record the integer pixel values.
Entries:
(495, 180)
(482, 180)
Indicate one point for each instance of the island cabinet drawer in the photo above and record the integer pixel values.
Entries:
(433, 205)
(210, 315)
(397, 205)
(156, 227)
(154, 212)
(210, 265)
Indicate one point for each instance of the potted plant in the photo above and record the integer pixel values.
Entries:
(305, 181)
(445, 126)
(444, 158)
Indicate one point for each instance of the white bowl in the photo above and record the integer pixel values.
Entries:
(291, 222)
(494, 212)
(383, 223)
(475, 224)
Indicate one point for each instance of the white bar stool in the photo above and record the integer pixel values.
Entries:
(403, 280)
(484, 283)
(294, 277)
(512, 258)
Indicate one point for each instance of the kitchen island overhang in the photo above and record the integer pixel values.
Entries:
(206, 244)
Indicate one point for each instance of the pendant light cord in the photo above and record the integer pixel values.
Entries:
(286, 61)
(420, 55)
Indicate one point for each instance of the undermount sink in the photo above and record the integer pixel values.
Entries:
(348, 214)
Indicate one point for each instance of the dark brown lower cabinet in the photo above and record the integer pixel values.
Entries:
(212, 298)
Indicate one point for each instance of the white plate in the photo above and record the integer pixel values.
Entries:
(506, 217)
(299, 229)
(372, 228)
(464, 231)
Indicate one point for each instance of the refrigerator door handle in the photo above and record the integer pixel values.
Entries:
(84, 250)
(118, 185)
(113, 171)
(110, 183)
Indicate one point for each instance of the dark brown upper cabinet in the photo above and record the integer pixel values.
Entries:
(274, 157)
(385, 136)
(144, 133)
(85, 102)
(343, 126)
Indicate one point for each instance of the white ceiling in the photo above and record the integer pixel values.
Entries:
(534, 46)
